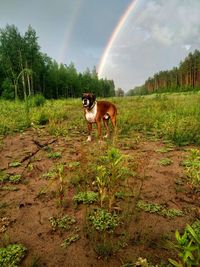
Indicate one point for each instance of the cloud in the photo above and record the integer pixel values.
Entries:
(155, 38)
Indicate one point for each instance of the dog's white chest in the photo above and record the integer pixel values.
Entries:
(91, 114)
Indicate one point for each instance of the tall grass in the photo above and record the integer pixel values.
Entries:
(171, 116)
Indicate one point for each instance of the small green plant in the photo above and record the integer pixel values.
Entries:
(110, 172)
(54, 155)
(4, 223)
(68, 241)
(159, 209)
(43, 119)
(15, 179)
(103, 221)
(165, 162)
(104, 250)
(15, 164)
(36, 100)
(188, 248)
(12, 255)
(4, 177)
(164, 149)
(87, 197)
(63, 223)
(9, 188)
(49, 175)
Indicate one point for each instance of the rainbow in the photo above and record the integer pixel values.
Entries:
(114, 36)
(69, 31)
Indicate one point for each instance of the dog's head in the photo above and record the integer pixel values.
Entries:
(88, 99)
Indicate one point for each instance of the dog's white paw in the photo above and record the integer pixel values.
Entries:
(89, 139)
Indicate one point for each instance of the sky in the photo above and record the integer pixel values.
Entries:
(126, 40)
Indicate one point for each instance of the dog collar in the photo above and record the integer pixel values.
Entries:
(92, 105)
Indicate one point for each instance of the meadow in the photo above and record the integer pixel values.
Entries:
(132, 200)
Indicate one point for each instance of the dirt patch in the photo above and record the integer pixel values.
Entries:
(33, 201)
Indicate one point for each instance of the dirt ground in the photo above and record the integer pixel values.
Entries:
(27, 210)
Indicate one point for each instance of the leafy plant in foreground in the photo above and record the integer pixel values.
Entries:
(12, 255)
(109, 173)
(103, 221)
(188, 248)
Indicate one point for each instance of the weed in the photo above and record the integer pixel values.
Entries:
(196, 227)
(54, 155)
(4, 223)
(164, 149)
(49, 175)
(120, 195)
(165, 162)
(12, 255)
(188, 248)
(74, 164)
(15, 179)
(104, 250)
(43, 119)
(149, 207)
(15, 164)
(3, 205)
(9, 188)
(159, 209)
(110, 172)
(192, 165)
(68, 241)
(37, 100)
(63, 223)
(103, 221)
(3, 176)
(87, 197)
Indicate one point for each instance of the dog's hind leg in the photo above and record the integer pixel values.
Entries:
(105, 121)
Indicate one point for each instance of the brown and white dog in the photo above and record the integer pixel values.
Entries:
(95, 111)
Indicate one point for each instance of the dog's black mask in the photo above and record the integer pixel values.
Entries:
(88, 99)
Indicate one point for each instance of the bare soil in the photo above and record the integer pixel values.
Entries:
(27, 210)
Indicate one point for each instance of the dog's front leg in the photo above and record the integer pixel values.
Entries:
(89, 132)
(99, 129)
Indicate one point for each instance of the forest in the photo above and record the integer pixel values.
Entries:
(185, 77)
(26, 71)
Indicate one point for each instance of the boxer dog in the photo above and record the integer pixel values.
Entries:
(95, 111)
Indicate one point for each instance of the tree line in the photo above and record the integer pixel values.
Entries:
(186, 77)
(26, 71)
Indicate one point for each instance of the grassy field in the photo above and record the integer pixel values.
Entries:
(173, 117)
(132, 200)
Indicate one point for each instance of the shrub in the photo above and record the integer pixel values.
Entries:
(12, 255)
(88, 197)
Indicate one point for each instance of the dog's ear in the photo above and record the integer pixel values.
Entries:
(83, 95)
(93, 96)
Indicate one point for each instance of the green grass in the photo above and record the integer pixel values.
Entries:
(173, 117)
(192, 166)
